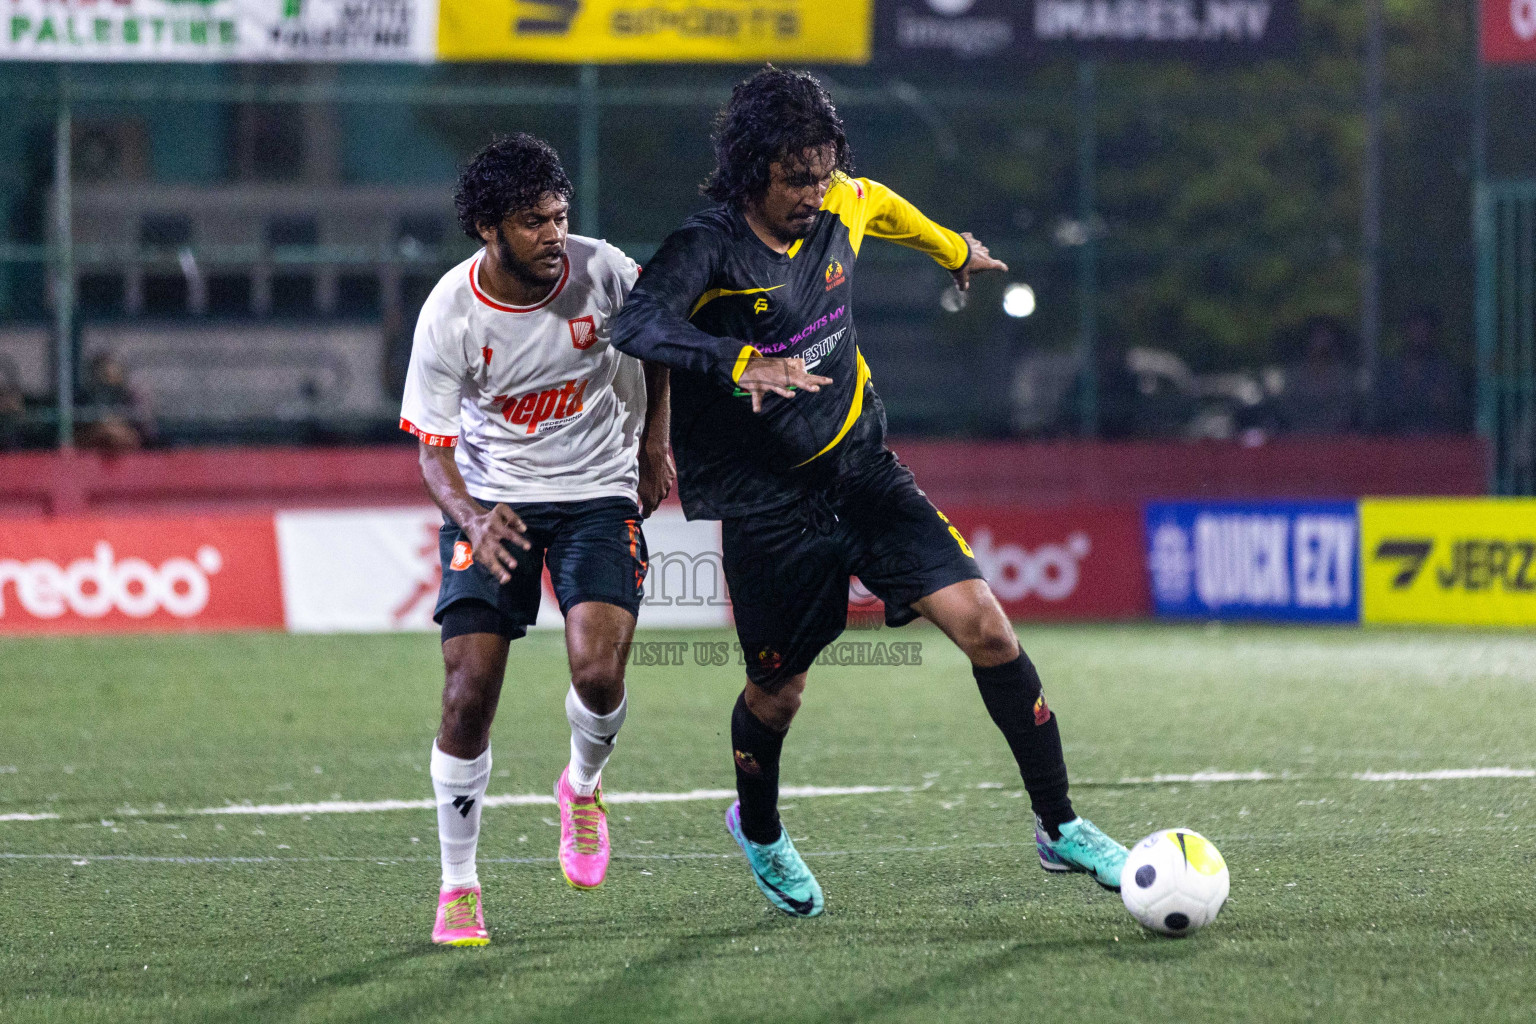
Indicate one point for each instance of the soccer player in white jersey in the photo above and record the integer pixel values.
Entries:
(542, 445)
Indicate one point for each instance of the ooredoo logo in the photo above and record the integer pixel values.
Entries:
(92, 587)
(1050, 572)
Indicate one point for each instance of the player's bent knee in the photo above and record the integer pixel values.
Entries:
(466, 708)
(989, 638)
(599, 684)
(776, 708)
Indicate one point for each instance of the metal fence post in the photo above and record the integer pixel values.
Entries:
(1525, 379)
(64, 266)
(1087, 251)
(1370, 215)
(1483, 234)
(589, 178)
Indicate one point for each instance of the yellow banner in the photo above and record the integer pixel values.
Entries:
(1448, 561)
(625, 31)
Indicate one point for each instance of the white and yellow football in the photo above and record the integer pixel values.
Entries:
(1174, 881)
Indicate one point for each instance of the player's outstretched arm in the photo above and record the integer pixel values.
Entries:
(489, 530)
(657, 471)
(980, 262)
(887, 215)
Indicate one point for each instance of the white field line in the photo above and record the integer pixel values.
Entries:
(800, 792)
(83, 859)
(1444, 774)
(533, 800)
(1208, 776)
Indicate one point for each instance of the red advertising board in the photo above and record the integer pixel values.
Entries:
(1071, 562)
(1509, 31)
(1074, 562)
(133, 575)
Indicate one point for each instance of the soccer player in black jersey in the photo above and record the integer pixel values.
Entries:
(778, 432)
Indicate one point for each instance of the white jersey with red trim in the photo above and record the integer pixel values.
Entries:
(537, 403)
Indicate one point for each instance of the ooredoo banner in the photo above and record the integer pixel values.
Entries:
(119, 575)
(1075, 562)
(1449, 561)
(378, 570)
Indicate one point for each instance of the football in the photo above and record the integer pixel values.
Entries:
(1174, 881)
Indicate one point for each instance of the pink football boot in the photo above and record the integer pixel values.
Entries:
(583, 835)
(460, 918)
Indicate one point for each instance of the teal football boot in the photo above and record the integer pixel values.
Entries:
(778, 870)
(1083, 848)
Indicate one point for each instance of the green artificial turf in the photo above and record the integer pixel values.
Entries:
(1351, 899)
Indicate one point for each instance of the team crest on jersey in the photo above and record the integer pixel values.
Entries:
(543, 411)
(835, 275)
(583, 332)
(463, 556)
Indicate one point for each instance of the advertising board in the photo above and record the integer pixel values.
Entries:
(1290, 561)
(966, 31)
(1073, 562)
(1449, 561)
(625, 31)
(130, 575)
(220, 30)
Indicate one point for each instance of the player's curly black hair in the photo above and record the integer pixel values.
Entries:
(513, 173)
(771, 115)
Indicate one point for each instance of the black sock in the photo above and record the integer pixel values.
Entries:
(756, 748)
(1013, 697)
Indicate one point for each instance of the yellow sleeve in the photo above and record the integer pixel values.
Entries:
(868, 207)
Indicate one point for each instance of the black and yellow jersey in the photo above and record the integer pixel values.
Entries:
(714, 293)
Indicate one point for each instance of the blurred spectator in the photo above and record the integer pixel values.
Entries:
(1120, 401)
(1422, 391)
(116, 415)
(12, 410)
(1320, 393)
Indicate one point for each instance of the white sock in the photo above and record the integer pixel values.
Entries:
(460, 788)
(592, 739)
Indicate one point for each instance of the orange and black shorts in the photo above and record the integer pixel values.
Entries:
(595, 551)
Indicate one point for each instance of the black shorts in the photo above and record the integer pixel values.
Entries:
(788, 570)
(595, 551)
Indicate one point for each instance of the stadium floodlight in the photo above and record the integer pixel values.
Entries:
(1018, 300)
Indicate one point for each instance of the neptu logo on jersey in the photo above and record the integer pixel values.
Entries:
(543, 411)
(760, 306)
(835, 275)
